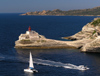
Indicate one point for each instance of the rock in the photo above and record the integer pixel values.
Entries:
(87, 40)
(93, 46)
(89, 36)
(32, 40)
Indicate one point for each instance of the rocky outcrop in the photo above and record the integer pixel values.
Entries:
(87, 40)
(57, 12)
(89, 36)
(93, 46)
(32, 40)
(88, 31)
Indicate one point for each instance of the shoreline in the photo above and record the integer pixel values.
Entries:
(43, 47)
(58, 15)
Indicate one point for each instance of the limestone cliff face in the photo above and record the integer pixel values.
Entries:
(87, 40)
(93, 46)
(89, 32)
(33, 40)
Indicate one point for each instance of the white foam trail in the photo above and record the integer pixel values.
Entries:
(59, 64)
(43, 62)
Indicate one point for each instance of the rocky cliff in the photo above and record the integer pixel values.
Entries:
(89, 35)
(32, 40)
(87, 40)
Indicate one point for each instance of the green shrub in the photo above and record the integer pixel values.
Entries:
(43, 41)
(94, 32)
(25, 41)
(96, 22)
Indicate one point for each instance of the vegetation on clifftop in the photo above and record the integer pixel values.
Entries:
(96, 22)
(25, 41)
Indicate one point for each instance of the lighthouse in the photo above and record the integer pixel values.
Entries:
(31, 35)
(29, 30)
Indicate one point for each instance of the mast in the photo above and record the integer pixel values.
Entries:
(31, 61)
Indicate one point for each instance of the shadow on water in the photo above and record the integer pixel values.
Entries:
(58, 55)
(94, 63)
(37, 53)
(29, 74)
(93, 54)
(95, 57)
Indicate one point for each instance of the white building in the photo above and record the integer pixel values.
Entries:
(31, 35)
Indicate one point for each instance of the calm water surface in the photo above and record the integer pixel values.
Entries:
(12, 61)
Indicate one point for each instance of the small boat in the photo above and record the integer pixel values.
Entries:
(31, 66)
(82, 67)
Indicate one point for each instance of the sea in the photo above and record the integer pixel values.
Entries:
(48, 62)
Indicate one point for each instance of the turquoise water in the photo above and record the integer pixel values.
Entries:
(13, 62)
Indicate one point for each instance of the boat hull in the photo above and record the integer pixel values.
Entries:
(28, 70)
(31, 71)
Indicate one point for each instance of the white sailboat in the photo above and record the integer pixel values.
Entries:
(31, 66)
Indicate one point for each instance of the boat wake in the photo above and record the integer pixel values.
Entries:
(60, 64)
(43, 62)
